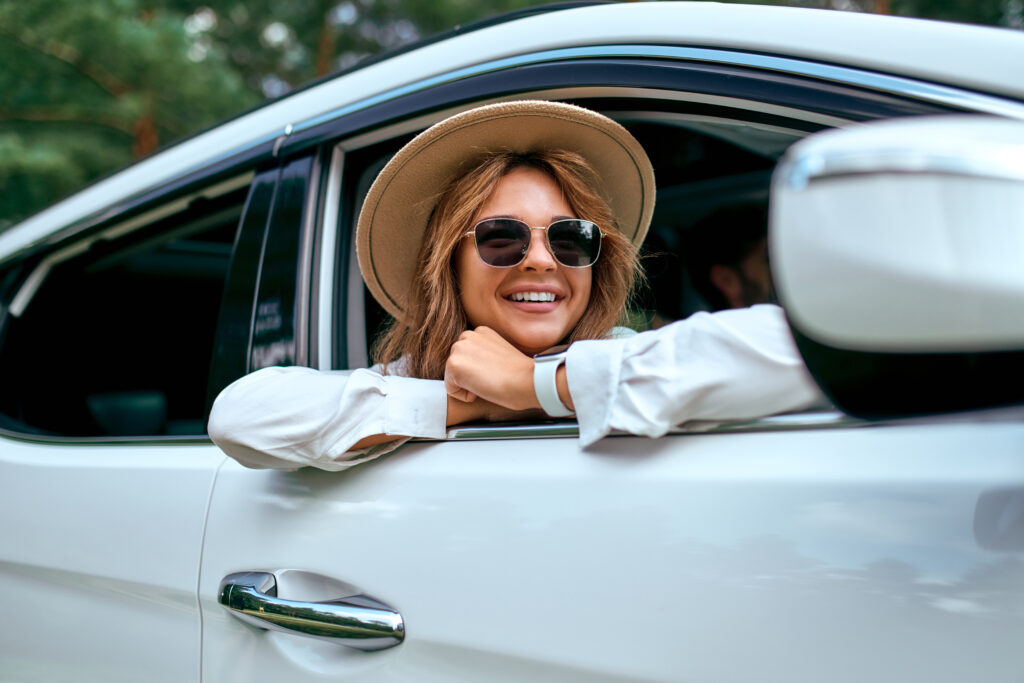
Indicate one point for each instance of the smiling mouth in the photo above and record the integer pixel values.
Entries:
(532, 296)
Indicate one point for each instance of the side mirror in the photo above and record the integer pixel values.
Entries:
(898, 251)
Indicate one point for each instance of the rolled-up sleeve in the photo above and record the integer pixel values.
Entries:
(286, 418)
(734, 364)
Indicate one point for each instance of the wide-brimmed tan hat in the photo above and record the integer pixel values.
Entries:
(398, 206)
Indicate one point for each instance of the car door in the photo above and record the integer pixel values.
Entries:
(105, 469)
(800, 547)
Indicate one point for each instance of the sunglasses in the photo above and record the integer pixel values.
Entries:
(503, 242)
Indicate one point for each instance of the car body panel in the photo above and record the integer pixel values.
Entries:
(101, 544)
(841, 554)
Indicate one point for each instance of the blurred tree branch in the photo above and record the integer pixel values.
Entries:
(68, 55)
(65, 114)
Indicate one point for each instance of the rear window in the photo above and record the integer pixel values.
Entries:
(118, 340)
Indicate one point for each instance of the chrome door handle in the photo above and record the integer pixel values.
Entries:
(356, 621)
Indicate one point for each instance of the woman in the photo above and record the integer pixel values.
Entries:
(491, 237)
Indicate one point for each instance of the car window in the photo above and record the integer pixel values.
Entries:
(711, 208)
(117, 338)
(713, 177)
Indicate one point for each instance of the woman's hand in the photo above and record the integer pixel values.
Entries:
(479, 410)
(483, 364)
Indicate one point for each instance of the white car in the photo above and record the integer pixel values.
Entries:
(880, 541)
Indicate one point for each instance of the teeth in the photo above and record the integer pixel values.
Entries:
(532, 296)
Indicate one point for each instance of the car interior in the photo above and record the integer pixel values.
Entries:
(118, 340)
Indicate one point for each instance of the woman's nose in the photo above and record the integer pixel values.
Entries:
(538, 256)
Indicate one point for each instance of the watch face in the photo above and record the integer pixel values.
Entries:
(552, 352)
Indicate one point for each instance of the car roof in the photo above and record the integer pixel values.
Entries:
(971, 57)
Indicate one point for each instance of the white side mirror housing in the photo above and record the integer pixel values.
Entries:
(904, 240)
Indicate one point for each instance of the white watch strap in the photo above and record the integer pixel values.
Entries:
(545, 384)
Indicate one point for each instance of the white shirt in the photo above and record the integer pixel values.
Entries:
(712, 366)
(735, 364)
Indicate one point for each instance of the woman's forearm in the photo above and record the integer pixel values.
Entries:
(736, 364)
(284, 418)
(458, 412)
(480, 410)
(375, 440)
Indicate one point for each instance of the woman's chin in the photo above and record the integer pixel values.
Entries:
(532, 344)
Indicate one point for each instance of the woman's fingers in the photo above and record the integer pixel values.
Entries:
(460, 412)
(454, 390)
(483, 363)
(463, 395)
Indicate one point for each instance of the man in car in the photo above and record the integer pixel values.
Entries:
(727, 257)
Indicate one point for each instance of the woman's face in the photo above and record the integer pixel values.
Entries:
(490, 295)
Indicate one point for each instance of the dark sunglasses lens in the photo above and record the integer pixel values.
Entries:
(575, 243)
(502, 242)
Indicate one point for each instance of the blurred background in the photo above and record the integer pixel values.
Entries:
(87, 86)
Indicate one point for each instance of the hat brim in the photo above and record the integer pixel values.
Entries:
(395, 213)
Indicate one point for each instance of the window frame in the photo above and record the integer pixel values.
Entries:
(38, 264)
(768, 89)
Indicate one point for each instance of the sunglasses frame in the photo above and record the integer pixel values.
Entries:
(547, 242)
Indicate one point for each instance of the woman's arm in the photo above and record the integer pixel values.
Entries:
(458, 412)
(734, 364)
(728, 365)
(286, 418)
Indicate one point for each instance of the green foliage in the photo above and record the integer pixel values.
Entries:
(37, 166)
(997, 12)
(280, 44)
(87, 86)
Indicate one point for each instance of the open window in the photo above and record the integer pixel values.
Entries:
(713, 174)
(707, 245)
(113, 335)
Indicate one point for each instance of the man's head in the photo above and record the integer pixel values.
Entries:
(727, 257)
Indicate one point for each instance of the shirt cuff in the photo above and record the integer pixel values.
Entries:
(592, 370)
(415, 407)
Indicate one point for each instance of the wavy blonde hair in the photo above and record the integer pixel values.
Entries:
(434, 318)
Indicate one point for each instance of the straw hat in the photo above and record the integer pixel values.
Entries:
(398, 206)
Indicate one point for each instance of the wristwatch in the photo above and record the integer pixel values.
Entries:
(545, 385)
